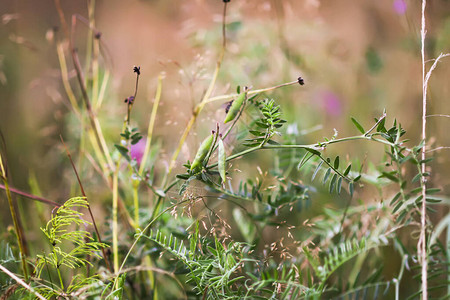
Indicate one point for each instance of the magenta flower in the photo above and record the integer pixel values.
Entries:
(400, 7)
(331, 102)
(137, 150)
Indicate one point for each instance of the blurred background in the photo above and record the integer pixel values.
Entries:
(356, 57)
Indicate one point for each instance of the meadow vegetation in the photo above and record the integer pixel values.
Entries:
(284, 158)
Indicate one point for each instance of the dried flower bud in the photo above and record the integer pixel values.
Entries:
(227, 106)
(137, 70)
(301, 81)
(129, 100)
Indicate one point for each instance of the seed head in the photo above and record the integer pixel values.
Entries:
(129, 100)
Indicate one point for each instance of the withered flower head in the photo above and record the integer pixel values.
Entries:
(129, 100)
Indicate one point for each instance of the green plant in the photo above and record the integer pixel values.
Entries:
(59, 233)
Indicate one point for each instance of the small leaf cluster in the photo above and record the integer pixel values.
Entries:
(130, 136)
(133, 135)
(267, 125)
(331, 172)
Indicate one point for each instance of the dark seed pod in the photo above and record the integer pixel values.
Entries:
(228, 105)
(201, 153)
(301, 81)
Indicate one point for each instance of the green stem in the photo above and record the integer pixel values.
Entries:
(335, 170)
(249, 93)
(115, 188)
(151, 125)
(399, 169)
(90, 8)
(141, 234)
(19, 233)
(65, 79)
(136, 204)
(55, 257)
(316, 146)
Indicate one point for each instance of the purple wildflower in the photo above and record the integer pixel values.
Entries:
(400, 7)
(137, 150)
(331, 103)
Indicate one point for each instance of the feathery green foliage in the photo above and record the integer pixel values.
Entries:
(261, 210)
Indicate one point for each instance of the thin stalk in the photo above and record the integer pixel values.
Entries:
(65, 79)
(90, 34)
(251, 92)
(60, 277)
(148, 262)
(147, 146)
(95, 71)
(317, 146)
(30, 196)
(82, 144)
(101, 94)
(399, 168)
(383, 116)
(105, 257)
(21, 282)
(136, 203)
(202, 103)
(138, 237)
(151, 125)
(421, 246)
(115, 188)
(399, 278)
(14, 216)
(131, 101)
(98, 152)
(332, 167)
(439, 115)
(448, 256)
(438, 148)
